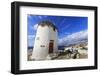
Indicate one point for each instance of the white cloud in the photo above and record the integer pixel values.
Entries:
(74, 38)
(31, 36)
(40, 17)
(66, 27)
(35, 26)
(31, 39)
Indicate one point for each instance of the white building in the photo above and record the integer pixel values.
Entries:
(45, 40)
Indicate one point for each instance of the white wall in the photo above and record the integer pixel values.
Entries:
(38, 51)
(5, 27)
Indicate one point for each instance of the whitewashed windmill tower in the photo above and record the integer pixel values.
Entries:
(45, 40)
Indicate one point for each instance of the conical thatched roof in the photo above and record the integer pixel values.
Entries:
(47, 23)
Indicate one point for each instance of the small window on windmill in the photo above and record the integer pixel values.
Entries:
(37, 38)
(42, 45)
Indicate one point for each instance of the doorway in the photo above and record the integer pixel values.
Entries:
(51, 44)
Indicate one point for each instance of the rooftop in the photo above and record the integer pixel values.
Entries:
(47, 23)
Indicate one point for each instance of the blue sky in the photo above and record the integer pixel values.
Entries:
(70, 28)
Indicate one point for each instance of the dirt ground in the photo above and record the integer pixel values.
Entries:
(82, 55)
